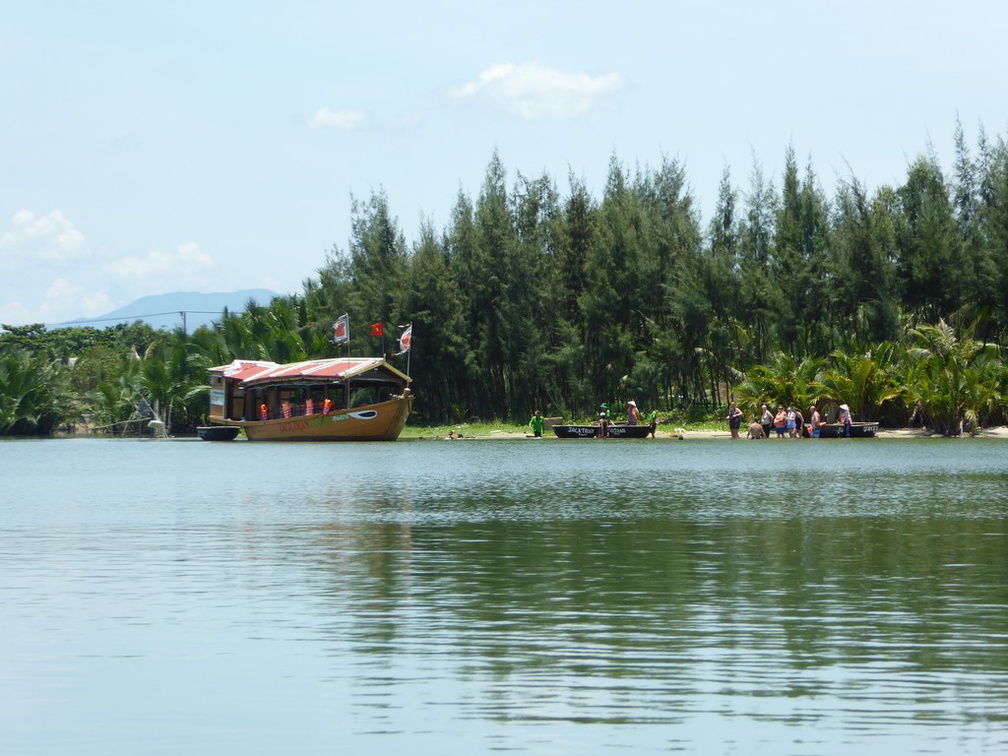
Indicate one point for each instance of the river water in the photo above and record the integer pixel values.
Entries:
(531, 596)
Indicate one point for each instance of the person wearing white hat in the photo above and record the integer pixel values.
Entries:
(846, 419)
(632, 415)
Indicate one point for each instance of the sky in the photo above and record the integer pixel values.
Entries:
(212, 146)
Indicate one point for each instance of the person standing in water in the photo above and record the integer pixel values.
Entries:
(767, 421)
(734, 420)
(815, 420)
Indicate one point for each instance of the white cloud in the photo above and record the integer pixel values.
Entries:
(63, 298)
(51, 238)
(14, 313)
(58, 302)
(188, 266)
(340, 120)
(50, 274)
(535, 92)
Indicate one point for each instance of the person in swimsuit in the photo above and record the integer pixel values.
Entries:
(767, 421)
(780, 422)
(815, 420)
(734, 420)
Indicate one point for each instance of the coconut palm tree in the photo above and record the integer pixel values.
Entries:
(955, 381)
(35, 394)
(865, 382)
(784, 382)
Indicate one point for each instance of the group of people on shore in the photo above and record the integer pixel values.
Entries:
(786, 423)
(633, 417)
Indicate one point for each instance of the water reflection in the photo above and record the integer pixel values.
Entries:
(742, 597)
(657, 607)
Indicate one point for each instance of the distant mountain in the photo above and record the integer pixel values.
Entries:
(165, 310)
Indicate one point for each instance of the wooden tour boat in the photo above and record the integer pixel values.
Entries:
(337, 399)
(616, 430)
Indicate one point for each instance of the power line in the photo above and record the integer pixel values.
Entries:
(88, 321)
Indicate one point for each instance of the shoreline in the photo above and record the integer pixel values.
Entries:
(681, 434)
(999, 432)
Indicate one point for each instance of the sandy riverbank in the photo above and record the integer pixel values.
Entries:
(883, 433)
(673, 434)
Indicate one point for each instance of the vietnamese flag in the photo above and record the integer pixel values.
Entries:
(377, 329)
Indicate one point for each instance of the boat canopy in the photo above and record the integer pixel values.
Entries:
(259, 374)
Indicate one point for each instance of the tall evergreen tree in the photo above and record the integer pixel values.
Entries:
(377, 264)
(756, 242)
(929, 254)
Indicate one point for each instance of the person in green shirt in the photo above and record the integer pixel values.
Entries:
(536, 424)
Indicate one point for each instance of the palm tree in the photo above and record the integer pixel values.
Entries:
(35, 394)
(864, 382)
(955, 382)
(784, 382)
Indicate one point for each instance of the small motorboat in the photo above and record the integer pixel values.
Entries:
(616, 430)
(217, 432)
(835, 430)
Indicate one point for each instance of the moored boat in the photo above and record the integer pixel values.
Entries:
(835, 430)
(616, 430)
(217, 432)
(338, 399)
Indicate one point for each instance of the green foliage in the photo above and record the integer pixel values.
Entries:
(955, 381)
(865, 382)
(35, 395)
(532, 300)
(783, 382)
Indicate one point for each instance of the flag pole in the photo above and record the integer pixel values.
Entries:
(406, 348)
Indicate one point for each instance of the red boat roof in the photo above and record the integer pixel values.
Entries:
(254, 372)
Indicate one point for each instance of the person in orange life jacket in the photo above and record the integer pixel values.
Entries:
(326, 406)
(264, 412)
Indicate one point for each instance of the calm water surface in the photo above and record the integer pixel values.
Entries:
(547, 597)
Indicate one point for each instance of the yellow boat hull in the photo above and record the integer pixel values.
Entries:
(372, 422)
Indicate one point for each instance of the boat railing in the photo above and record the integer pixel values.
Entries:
(290, 409)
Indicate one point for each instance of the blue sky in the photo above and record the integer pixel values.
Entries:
(208, 146)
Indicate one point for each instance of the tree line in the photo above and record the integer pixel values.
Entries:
(894, 301)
